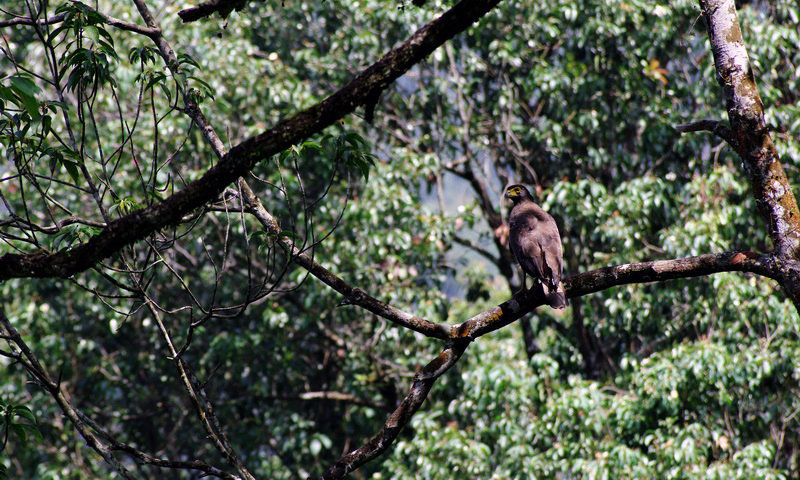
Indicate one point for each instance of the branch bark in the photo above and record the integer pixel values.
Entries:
(206, 9)
(714, 126)
(114, 22)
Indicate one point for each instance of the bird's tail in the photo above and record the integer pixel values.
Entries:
(556, 298)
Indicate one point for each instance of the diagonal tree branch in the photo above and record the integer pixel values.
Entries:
(352, 295)
(399, 418)
(242, 158)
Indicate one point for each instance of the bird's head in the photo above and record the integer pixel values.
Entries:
(516, 193)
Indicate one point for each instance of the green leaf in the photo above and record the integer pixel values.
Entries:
(31, 106)
(72, 169)
(24, 412)
(7, 94)
(92, 33)
(47, 122)
(312, 145)
(24, 85)
(186, 59)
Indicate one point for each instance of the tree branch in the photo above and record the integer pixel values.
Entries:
(114, 22)
(207, 8)
(477, 249)
(335, 396)
(607, 277)
(242, 158)
(495, 220)
(714, 126)
(30, 21)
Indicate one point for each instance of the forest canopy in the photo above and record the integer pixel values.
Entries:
(261, 239)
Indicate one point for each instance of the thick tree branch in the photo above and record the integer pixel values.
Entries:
(751, 139)
(607, 277)
(207, 8)
(244, 156)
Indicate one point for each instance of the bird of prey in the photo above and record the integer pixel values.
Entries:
(536, 244)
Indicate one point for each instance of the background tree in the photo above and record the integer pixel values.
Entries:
(163, 308)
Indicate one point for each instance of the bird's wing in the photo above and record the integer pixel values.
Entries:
(514, 241)
(550, 245)
(531, 255)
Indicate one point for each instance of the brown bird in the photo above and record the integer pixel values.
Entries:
(536, 244)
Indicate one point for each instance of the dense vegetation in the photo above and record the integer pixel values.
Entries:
(685, 378)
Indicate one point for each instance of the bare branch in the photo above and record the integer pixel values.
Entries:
(494, 218)
(198, 398)
(477, 248)
(335, 396)
(714, 126)
(114, 22)
(29, 21)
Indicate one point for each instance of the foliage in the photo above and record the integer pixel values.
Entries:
(691, 378)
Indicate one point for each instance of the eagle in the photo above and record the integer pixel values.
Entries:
(536, 244)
